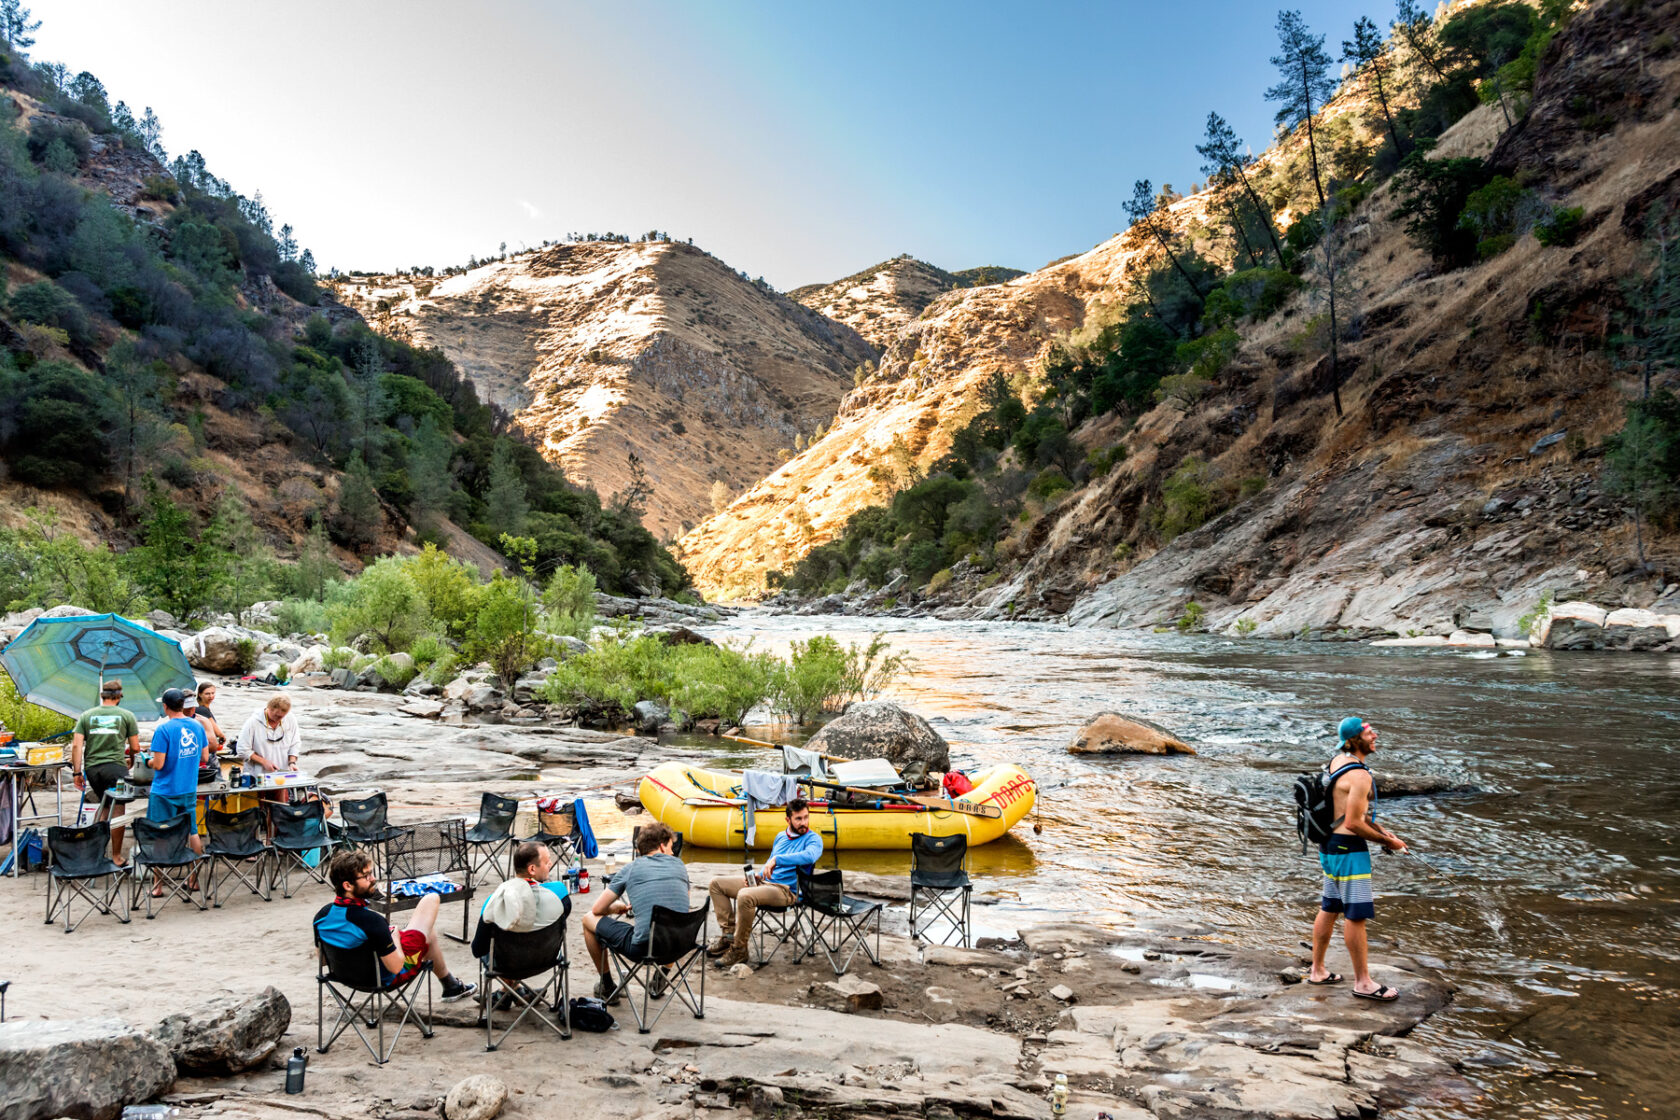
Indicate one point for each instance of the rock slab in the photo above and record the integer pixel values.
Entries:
(476, 1098)
(1112, 733)
(83, 1068)
(878, 729)
(228, 1034)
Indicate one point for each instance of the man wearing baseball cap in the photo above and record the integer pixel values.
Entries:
(1345, 859)
(105, 738)
(179, 747)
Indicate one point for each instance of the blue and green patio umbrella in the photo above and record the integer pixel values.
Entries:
(60, 663)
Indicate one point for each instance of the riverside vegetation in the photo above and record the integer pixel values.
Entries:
(1037, 439)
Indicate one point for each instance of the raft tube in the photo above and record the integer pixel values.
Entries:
(695, 802)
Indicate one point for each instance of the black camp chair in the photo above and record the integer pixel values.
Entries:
(939, 887)
(160, 848)
(836, 920)
(517, 957)
(491, 839)
(234, 845)
(363, 993)
(677, 940)
(558, 832)
(77, 858)
(775, 926)
(295, 831)
(365, 823)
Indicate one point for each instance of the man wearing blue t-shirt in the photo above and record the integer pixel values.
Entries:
(179, 746)
(735, 902)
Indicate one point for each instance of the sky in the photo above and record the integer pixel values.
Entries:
(797, 141)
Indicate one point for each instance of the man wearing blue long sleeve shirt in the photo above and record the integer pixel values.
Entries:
(734, 902)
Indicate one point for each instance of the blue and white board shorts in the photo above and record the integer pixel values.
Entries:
(1347, 878)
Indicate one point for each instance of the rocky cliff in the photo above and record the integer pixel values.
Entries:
(878, 302)
(602, 350)
(1462, 481)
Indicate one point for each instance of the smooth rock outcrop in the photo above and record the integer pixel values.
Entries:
(648, 715)
(83, 1068)
(1575, 626)
(215, 649)
(1113, 733)
(879, 729)
(477, 1098)
(228, 1034)
(1633, 629)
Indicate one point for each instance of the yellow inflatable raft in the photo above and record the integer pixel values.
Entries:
(700, 804)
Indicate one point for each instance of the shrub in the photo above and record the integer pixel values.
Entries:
(1246, 626)
(1541, 610)
(1187, 498)
(1191, 618)
(247, 652)
(1100, 460)
(504, 632)
(813, 679)
(1561, 227)
(618, 670)
(870, 670)
(719, 682)
(939, 580)
(382, 607)
(570, 600)
(29, 722)
(395, 673)
(1048, 483)
(443, 670)
(449, 589)
(1433, 194)
(339, 657)
(301, 616)
(1490, 247)
(427, 650)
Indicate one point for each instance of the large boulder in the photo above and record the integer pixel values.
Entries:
(647, 715)
(214, 649)
(265, 613)
(479, 1097)
(227, 1034)
(1575, 626)
(879, 729)
(1635, 629)
(66, 610)
(1112, 733)
(85, 1068)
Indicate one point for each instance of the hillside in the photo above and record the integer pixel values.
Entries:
(879, 301)
(1462, 480)
(602, 350)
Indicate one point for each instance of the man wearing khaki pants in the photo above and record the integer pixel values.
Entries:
(735, 903)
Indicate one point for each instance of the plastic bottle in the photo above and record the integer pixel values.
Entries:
(1059, 1096)
(296, 1066)
(583, 880)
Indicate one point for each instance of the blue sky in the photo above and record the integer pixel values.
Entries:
(798, 141)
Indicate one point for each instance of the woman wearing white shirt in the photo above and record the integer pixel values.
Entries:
(270, 737)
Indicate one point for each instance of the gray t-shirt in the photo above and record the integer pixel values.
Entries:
(649, 881)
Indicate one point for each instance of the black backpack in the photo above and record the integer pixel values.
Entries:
(1315, 807)
(590, 1014)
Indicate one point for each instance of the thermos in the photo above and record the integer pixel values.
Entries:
(747, 874)
(295, 1067)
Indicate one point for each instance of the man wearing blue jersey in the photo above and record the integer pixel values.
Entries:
(179, 746)
(735, 902)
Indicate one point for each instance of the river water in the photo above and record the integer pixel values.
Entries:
(1550, 897)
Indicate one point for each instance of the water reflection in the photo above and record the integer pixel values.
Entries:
(1549, 896)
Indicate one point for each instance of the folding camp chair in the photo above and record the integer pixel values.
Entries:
(836, 919)
(295, 831)
(775, 926)
(365, 823)
(160, 847)
(235, 843)
(675, 939)
(939, 887)
(491, 839)
(516, 957)
(76, 858)
(559, 833)
(368, 992)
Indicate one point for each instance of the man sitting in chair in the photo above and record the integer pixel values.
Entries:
(656, 878)
(523, 904)
(347, 923)
(735, 903)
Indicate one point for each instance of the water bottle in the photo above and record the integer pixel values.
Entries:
(583, 880)
(747, 874)
(295, 1067)
(1059, 1096)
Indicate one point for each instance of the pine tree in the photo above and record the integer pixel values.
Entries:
(286, 243)
(367, 389)
(428, 472)
(247, 564)
(359, 517)
(1417, 28)
(316, 568)
(16, 26)
(151, 134)
(505, 505)
(1141, 209)
(1369, 54)
(1305, 85)
(1223, 151)
(90, 91)
(308, 262)
(632, 498)
(136, 427)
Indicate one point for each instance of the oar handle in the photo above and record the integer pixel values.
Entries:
(778, 746)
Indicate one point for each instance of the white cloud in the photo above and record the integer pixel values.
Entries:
(530, 211)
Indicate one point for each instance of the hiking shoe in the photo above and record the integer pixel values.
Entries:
(721, 946)
(504, 1000)
(454, 989)
(606, 990)
(737, 955)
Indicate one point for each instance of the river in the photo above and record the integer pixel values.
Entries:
(1549, 897)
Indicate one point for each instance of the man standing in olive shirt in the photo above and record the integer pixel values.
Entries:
(106, 737)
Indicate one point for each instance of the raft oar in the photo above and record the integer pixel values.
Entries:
(778, 746)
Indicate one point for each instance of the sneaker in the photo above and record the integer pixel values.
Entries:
(454, 989)
(721, 946)
(504, 1000)
(737, 955)
(606, 990)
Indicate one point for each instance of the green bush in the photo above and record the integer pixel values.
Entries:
(1561, 227)
(720, 682)
(1100, 460)
(29, 722)
(339, 657)
(1539, 611)
(570, 601)
(395, 673)
(1187, 498)
(505, 633)
(1048, 483)
(1246, 626)
(870, 670)
(939, 580)
(813, 679)
(449, 589)
(443, 670)
(427, 650)
(1433, 194)
(617, 671)
(247, 652)
(301, 616)
(383, 607)
(1191, 618)
(1490, 247)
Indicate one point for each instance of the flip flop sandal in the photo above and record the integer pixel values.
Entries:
(1333, 978)
(1384, 994)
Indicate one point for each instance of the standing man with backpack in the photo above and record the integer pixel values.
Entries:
(1345, 857)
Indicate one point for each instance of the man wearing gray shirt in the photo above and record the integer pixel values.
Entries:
(655, 878)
